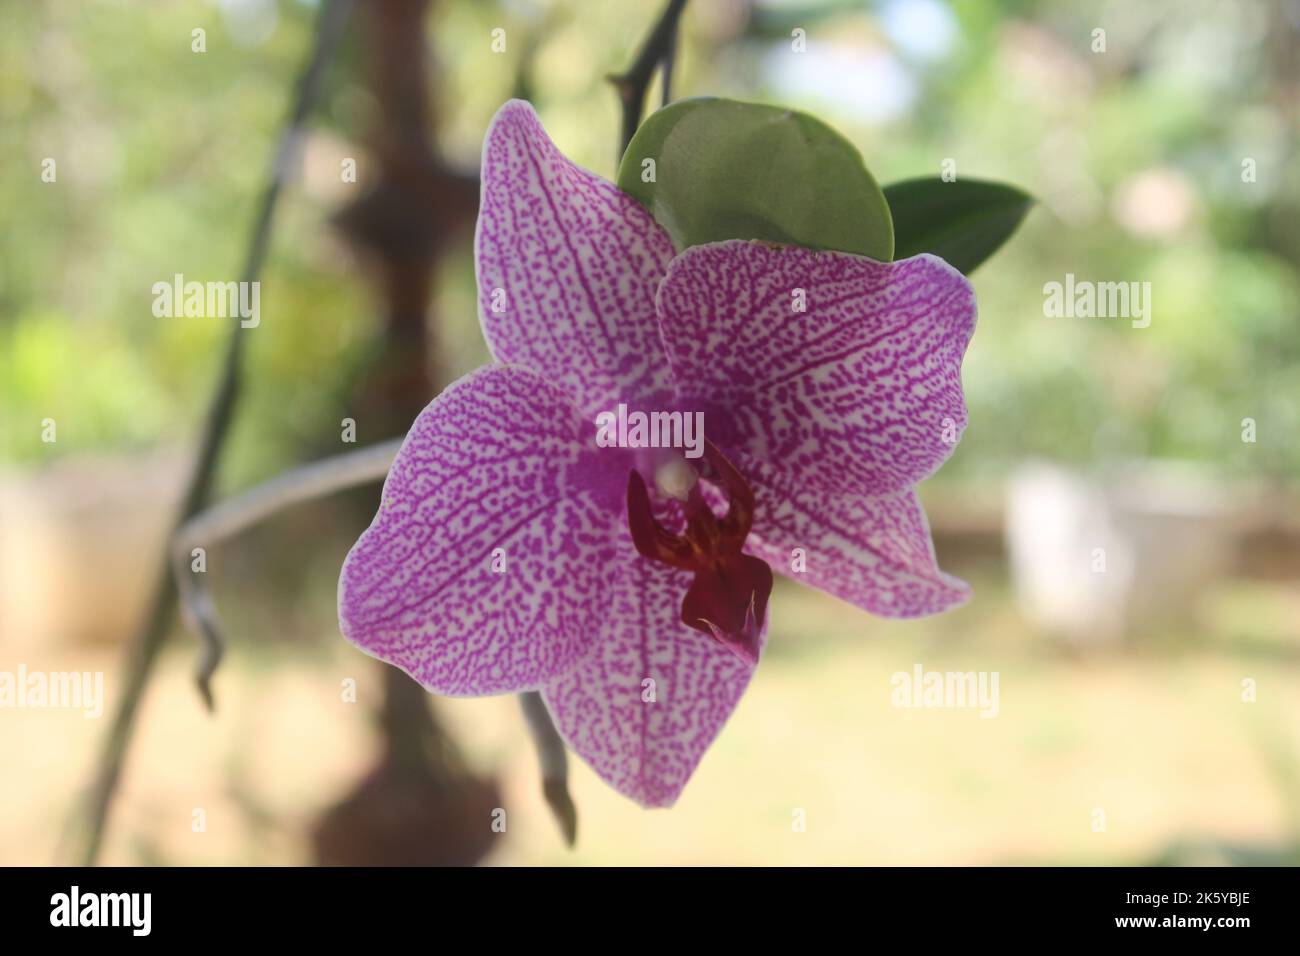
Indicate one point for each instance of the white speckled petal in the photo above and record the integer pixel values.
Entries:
(488, 566)
(568, 266)
(873, 551)
(647, 749)
(859, 392)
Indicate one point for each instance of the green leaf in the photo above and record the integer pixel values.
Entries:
(964, 221)
(728, 170)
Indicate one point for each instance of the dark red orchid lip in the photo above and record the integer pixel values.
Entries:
(727, 599)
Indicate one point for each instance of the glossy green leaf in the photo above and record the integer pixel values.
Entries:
(728, 170)
(964, 221)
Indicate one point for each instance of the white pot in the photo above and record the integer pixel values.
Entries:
(1100, 557)
(80, 546)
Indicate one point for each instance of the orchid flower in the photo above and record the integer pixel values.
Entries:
(630, 586)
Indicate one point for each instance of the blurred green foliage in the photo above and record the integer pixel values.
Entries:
(1135, 153)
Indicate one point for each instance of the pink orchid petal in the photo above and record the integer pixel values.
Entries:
(859, 393)
(572, 265)
(647, 750)
(500, 460)
(873, 551)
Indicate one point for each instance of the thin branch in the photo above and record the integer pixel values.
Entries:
(633, 83)
(666, 73)
(224, 521)
(554, 763)
(144, 649)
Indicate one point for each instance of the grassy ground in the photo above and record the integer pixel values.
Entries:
(1155, 736)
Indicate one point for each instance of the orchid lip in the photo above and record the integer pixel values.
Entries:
(727, 598)
(745, 643)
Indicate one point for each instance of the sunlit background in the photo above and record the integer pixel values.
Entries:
(1124, 501)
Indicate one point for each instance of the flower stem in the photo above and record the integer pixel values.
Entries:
(658, 49)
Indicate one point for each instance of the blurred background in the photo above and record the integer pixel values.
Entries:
(1161, 688)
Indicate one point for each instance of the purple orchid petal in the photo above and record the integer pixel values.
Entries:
(860, 392)
(485, 568)
(647, 749)
(873, 551)
(568, 266)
